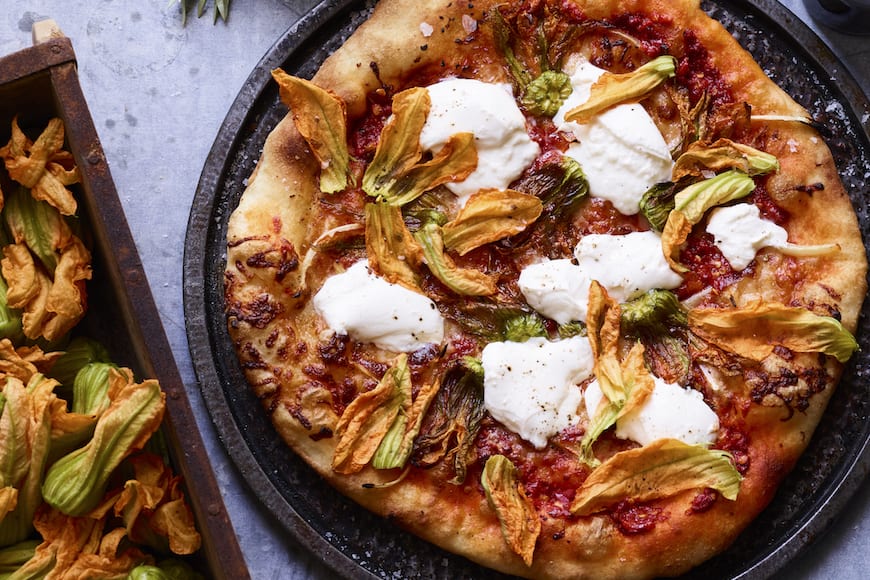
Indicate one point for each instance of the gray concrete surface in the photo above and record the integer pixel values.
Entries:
(158, 94)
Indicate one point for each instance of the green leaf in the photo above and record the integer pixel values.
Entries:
(484, 318)
(503, 41)
(653, 310)
(659, 321)
(562, 187)
(657, 203)
(221, 9)
(457, 411)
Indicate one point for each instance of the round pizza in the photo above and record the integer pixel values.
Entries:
(561, 286)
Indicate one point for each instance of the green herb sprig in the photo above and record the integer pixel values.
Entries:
(221, 9)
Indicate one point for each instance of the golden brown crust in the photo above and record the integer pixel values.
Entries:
(273, 270)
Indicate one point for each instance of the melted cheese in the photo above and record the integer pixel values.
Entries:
(558, 289)
(504, 148)
(739, 232)
(370, 309)
(532, 387)
(669, 412)
(626, 265)
(621, 150)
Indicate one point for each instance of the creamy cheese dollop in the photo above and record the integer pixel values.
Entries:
(626, 265)
(532, 387)
(669, 412)
(489, 111)
(369, 309)
(740, 232)
(621, 150)
(558, 289)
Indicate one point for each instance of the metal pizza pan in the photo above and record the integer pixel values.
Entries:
(355, 543)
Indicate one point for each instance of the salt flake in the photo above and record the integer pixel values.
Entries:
(469, 23)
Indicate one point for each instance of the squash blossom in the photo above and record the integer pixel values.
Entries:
(10, 318)
(79, 352)
(75, 483)
(91, 388)
(14, 556)
(25, 433)
(45, 268)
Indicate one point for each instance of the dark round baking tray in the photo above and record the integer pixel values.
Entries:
(355, 543)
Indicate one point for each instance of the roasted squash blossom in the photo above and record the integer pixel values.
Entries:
(407, 233)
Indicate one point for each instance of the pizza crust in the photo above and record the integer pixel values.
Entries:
(271, 276)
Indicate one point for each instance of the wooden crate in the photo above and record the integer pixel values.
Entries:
(37, 84)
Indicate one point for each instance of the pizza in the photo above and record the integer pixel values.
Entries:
(563, 287)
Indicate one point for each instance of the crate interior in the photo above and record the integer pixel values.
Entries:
(109, 318)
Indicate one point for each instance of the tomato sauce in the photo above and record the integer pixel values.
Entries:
(551, 476)
(708, 268)
(768, 208)
(696, 72)
(636, 518)
(363, 138)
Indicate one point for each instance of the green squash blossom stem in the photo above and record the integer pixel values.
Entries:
(80, 352)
